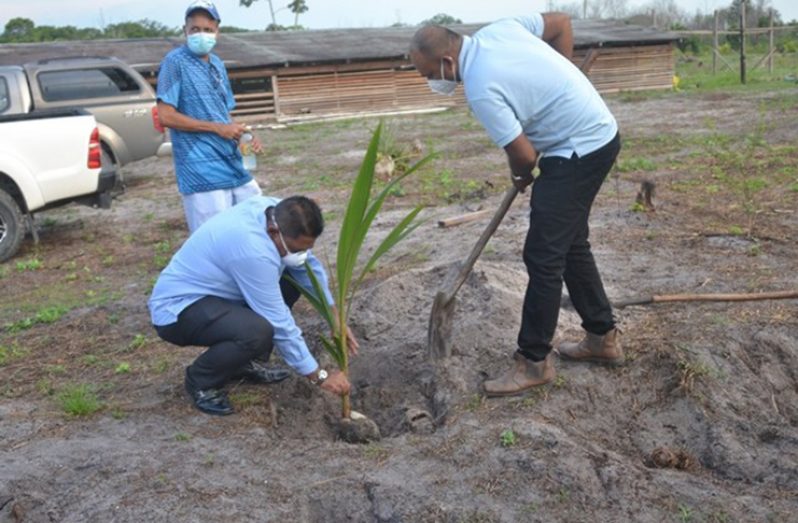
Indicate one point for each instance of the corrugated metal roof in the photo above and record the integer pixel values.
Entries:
(295, 48)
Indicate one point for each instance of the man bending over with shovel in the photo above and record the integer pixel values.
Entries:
(522, 86)
(224, 289)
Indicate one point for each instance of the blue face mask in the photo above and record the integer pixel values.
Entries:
(201, 43)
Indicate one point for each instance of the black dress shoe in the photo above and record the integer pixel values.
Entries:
(258, 373)
(210, 401)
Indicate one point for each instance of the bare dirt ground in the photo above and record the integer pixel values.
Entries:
(701, 424)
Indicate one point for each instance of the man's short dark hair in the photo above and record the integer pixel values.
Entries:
(434, 41)
(299, 216)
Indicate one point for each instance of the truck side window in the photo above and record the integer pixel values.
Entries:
(5, 99)
(79, 84)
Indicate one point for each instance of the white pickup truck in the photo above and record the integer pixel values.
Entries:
(47, 159)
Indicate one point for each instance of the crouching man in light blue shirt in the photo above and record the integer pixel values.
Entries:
(224, 289)
(541, 109)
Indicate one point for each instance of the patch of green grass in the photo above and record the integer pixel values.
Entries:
(376, 452)
(696, 74)
(475, 402)
(79, 400)
(508, 438)
(122, 368)
(182, 436)
(118, 414)
(641, 96)
(19, 325)
(3, 272)
(163, 251)
(90, 359)
(563, 495)
(719, 516)
(33, 264)
(45, 387)
(532, 398)
(245, 399)
(635, 164)
(559, 382)
(57, 369)
(139, 341)
(161, 366)
(11, 353)
(736, 230)
(690, 371)
(685, 513)
(50, 314)
(45, 315)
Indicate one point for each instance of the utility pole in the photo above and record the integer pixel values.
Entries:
(584, 10)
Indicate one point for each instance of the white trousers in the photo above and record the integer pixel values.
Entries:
(202, 206)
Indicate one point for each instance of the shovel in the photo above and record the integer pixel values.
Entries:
(440, 320)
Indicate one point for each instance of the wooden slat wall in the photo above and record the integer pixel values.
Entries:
(387, 87)
(631, 68)
(254, 104)
(360, 91)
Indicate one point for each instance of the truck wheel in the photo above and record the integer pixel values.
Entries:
(109, 164)
(12, 226)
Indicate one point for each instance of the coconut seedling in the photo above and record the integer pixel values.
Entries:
(350, 272)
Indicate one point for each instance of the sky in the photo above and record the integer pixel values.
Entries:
(322, 13)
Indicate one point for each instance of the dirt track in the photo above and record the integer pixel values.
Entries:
(701, 424)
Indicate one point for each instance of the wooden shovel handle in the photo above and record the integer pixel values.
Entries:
(465, 269)
(665, 298)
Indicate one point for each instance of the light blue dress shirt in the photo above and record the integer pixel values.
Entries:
(232, 257)
(201, 90)
(516, 83)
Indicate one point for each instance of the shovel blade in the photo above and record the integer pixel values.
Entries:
(439, 333)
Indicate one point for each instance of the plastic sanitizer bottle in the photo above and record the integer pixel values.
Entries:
(245, 143)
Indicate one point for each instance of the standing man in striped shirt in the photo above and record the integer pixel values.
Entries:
(194, 102)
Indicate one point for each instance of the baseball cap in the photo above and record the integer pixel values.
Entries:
(205, 5)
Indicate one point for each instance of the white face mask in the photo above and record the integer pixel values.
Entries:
(442, 86)
(292, 259)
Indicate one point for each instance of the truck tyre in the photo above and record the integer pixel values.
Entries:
(109, 164)
(12, 226)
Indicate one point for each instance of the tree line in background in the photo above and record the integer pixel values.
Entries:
(663, 14)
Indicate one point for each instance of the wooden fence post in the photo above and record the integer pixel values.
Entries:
(742, 41)
(771, 49)
(715, 49)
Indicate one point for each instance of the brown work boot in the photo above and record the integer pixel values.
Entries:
(523, 375)
(594, 348)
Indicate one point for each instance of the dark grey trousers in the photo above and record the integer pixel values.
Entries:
(557, 249)
(233, 333)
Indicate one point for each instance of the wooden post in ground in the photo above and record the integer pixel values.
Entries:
(715, 49)
(742, 41)
(276, 94)
(771, 50)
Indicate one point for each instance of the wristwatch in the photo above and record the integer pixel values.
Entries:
(320, 378)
